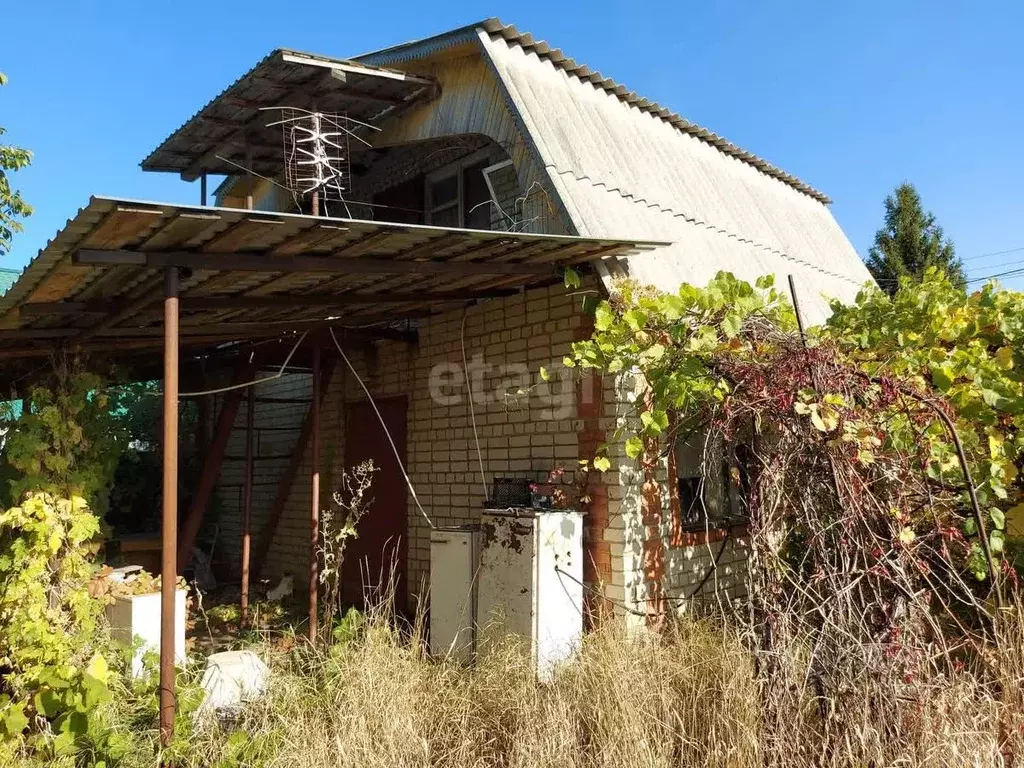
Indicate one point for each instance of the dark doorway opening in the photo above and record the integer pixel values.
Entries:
(380, 551)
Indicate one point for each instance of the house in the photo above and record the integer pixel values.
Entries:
(469, 169)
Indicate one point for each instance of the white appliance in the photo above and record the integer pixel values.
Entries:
(531, 583)
(136, 618)
(454, 558)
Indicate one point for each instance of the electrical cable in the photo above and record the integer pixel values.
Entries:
(244, 384)
(472, 410)
(669, 600)
(992, 253)
(384, 426)
(1008, 273)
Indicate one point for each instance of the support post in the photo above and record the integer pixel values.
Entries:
(314, 207)
(247, 506)
(169, 531)
(202, 189)
(314, 509)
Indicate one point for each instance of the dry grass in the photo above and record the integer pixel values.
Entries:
(690, 697)
(685, 699)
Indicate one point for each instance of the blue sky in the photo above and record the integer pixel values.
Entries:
(851, 97)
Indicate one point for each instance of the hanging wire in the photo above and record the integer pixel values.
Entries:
(472, 410)
(244, 384)
(387, 433)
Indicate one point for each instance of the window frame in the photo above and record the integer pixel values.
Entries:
(458, 170)
(692, 481)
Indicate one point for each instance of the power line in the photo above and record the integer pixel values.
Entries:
(1013, 263)
(992, 253)
(1008, 273)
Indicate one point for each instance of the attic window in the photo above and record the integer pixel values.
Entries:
(457, 196)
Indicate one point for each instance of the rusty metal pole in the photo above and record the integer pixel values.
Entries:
(169, 533)
(314, 509)
(247, 505)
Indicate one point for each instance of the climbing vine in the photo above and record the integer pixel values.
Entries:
(59, 457)
(696, 350)
(871, 558)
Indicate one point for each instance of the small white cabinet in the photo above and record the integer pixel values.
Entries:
(454, 558)
(134, 616)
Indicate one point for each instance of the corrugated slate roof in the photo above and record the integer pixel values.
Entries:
(508, 32)
(621, 167)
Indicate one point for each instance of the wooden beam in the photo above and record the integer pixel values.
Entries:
(140, 338)
(142, 299)
(309, 93)
(273, 327)
(123, 345)
(336, 300)
(258, 262)
(284, 486)
(48, 308)
(357, 69)
(211, 466)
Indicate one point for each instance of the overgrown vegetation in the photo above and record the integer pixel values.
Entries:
(688, 696)
(872, 637)
(338, 526)
(54, 659)
(882, 459)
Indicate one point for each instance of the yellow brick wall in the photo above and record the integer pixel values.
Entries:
(522, 435)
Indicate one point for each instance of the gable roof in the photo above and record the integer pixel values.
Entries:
(508, 32)
(620, 164)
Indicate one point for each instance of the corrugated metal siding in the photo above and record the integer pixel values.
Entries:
(619, 169)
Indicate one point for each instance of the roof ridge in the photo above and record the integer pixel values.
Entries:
(525, 40)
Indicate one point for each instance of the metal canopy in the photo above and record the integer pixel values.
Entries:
(218, 137)
(245, 274)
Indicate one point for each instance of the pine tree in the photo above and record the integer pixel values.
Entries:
(910, 242)
(12, 206)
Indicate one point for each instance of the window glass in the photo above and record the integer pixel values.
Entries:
(445, 217)
(444, 191)
(713, 483)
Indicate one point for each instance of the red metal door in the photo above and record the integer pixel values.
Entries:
(380, 550)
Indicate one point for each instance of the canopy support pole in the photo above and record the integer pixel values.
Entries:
(169, 532)
(247, 505)
(314, 509)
